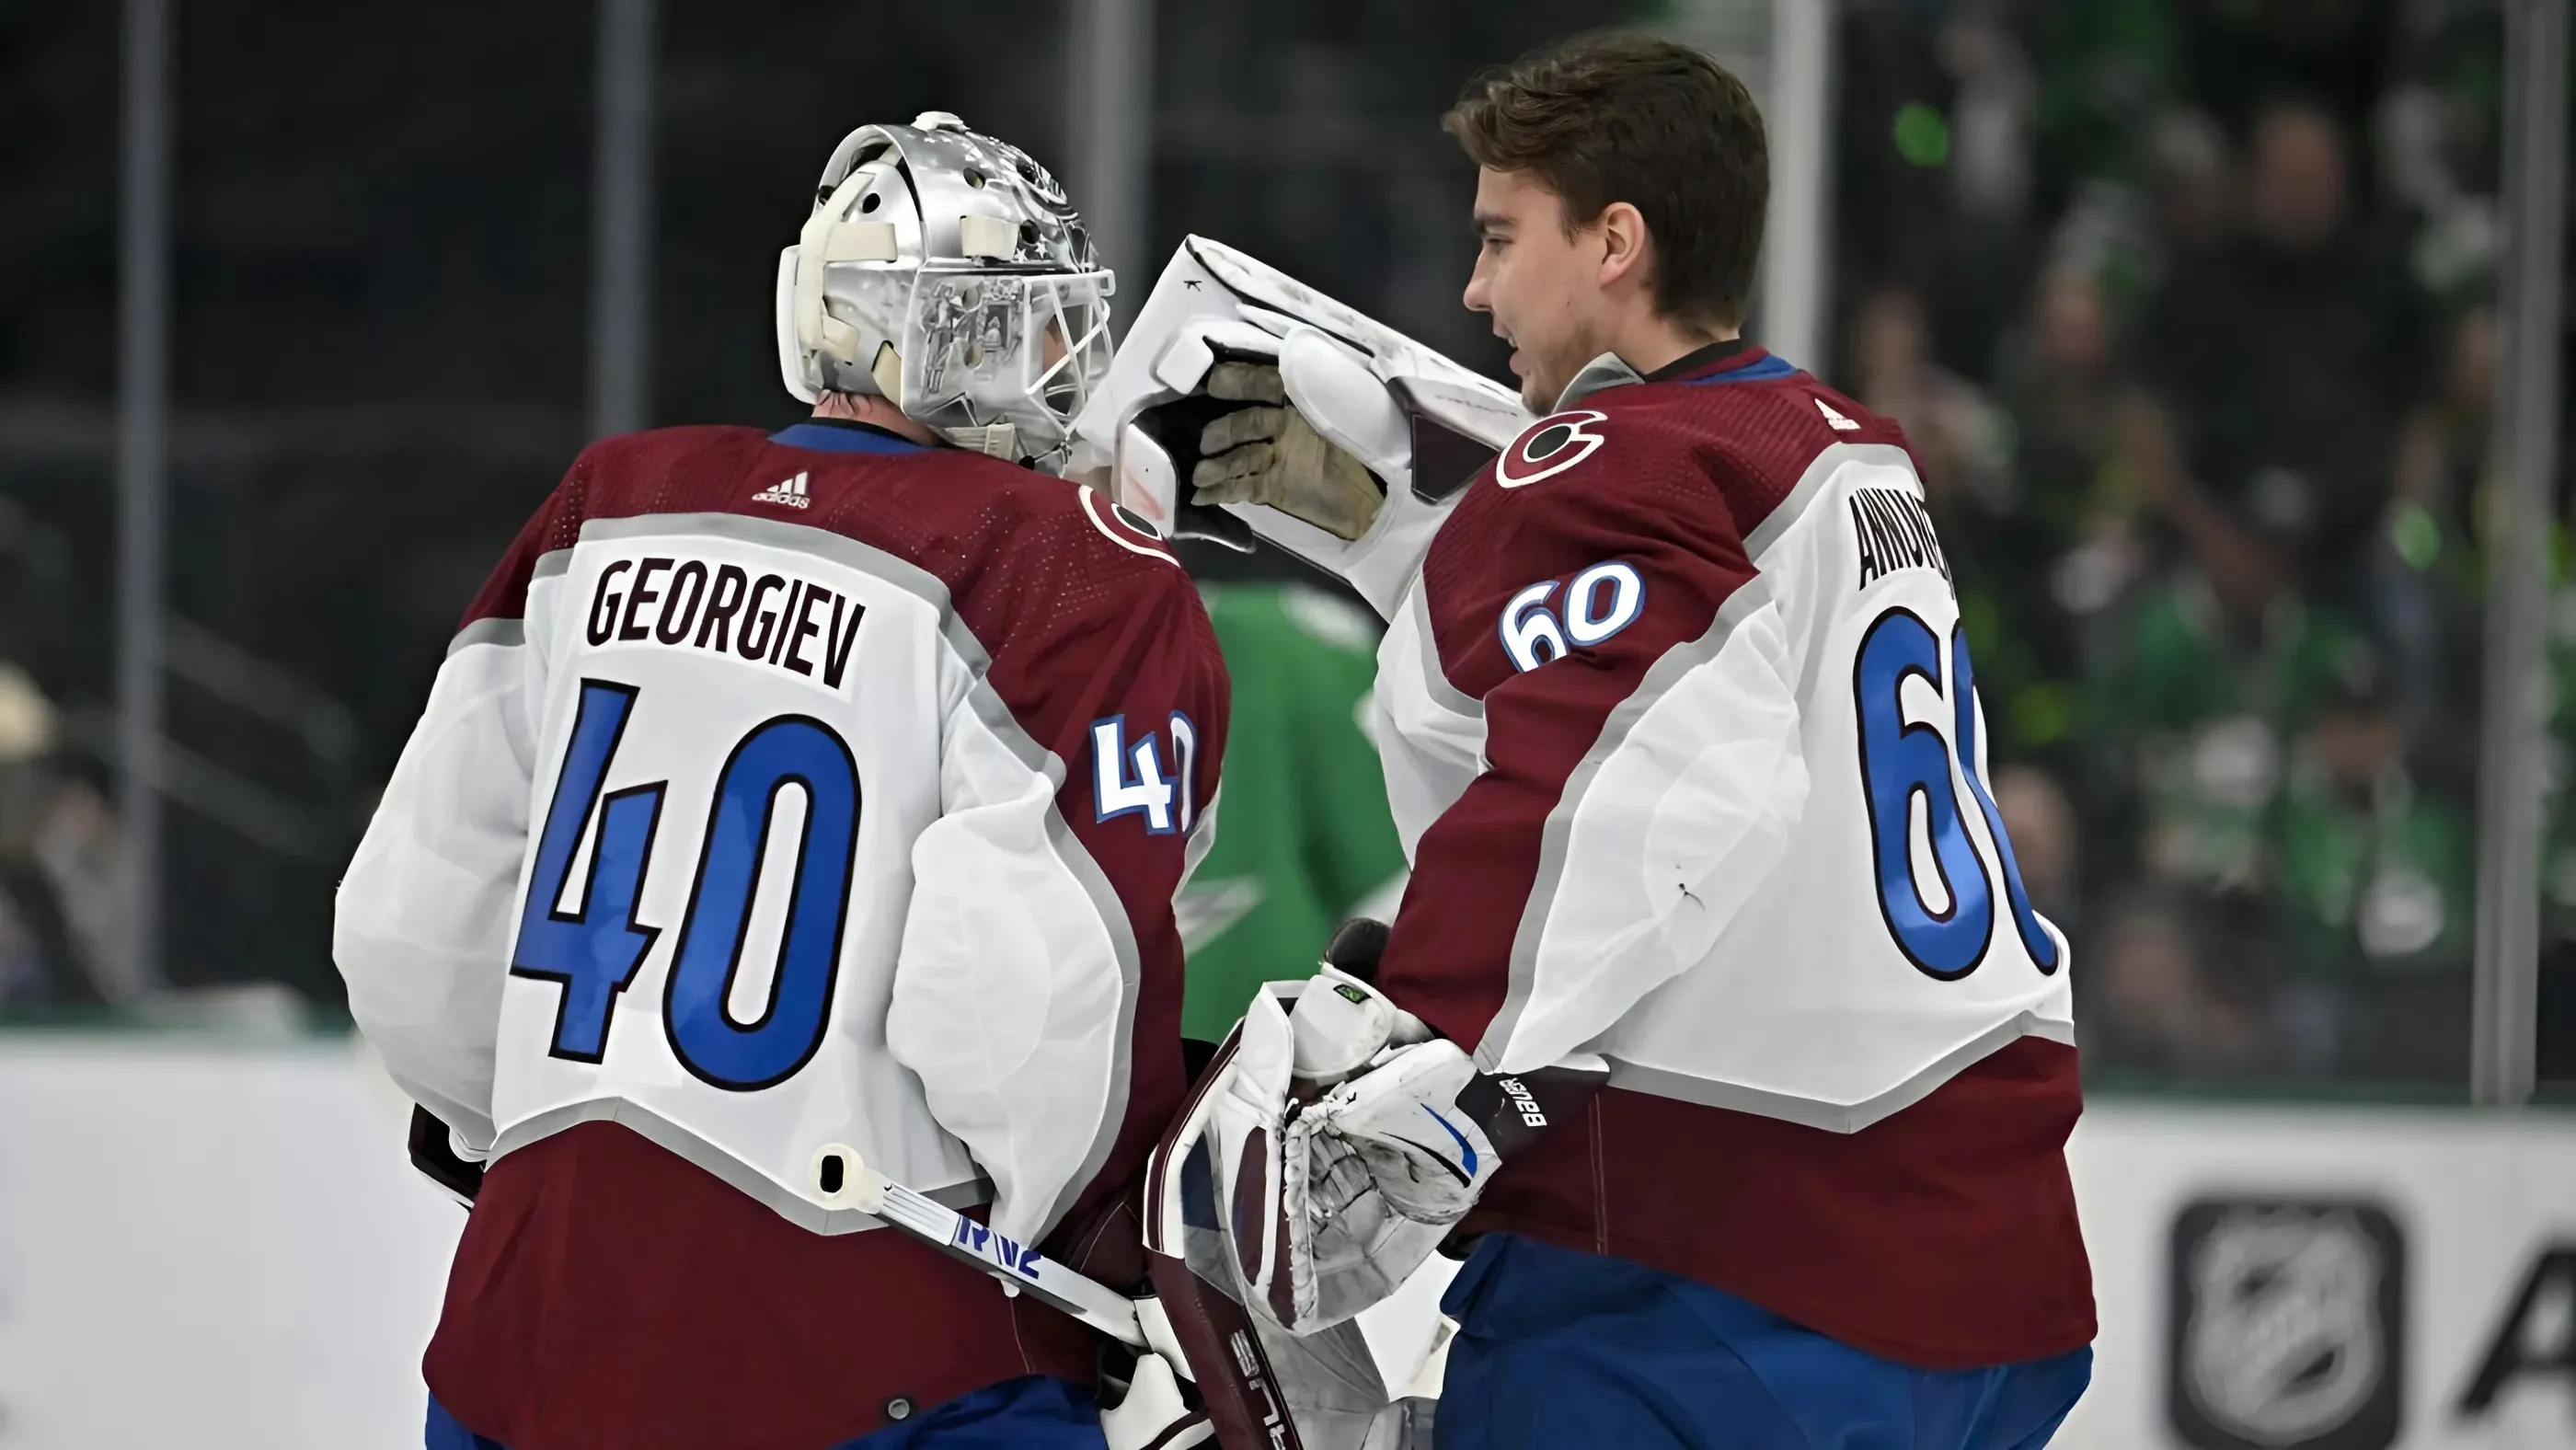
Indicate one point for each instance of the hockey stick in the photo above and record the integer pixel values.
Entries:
(433, 1153)
(1168, 1423)
(1021, 1269)
(943, 1228)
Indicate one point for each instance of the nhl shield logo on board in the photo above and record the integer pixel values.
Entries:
(2288, 1325)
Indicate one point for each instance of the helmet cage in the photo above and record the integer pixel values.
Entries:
(986, 347)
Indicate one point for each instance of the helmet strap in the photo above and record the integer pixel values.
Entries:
(997, 440)
(887, 374)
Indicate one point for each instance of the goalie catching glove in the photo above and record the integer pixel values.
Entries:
(1333, 1201)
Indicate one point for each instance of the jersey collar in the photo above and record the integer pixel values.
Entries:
(841, 435)
(1733, 360)
(1731, 354)
(1606, 371)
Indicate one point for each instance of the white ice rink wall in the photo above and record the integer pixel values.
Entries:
(2329, 1278)
(216, 1248)
(210, 1249)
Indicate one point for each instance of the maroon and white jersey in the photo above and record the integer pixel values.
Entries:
(1682, 735)
(785, 797)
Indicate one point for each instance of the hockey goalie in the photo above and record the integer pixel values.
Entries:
(798, 814)
(1682, 737)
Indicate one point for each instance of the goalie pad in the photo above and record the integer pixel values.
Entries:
(1429, 1129)
(1331, 1199)
(1420, 422)
(1259, 1385)
(1266, 1234)
(1314, 1242)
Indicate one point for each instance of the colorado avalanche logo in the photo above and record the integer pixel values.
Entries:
(1551, 446)
(1125, 527)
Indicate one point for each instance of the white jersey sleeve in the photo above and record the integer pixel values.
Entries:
(429, 901)
(1013, 998)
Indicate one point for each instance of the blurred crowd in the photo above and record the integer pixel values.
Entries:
(2188, 309)
(67, 940)
(61, 938)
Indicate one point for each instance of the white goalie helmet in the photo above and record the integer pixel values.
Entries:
(944, 271)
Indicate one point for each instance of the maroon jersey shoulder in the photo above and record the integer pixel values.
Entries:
(1709, 456)
(1754, 432)
(1636, 474)
(1010, 545)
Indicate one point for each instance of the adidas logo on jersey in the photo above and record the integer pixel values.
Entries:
(791, 494)
(1840, 423)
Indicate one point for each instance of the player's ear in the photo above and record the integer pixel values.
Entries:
(1624, 244)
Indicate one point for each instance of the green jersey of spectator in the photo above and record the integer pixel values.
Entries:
(2180, 669)
(1303, 835)
(2207, 723)
(2386, 875)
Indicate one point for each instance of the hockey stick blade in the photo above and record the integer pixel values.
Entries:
(433, 1153)
(1021, 1269)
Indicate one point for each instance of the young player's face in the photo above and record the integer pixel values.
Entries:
(1540, 283)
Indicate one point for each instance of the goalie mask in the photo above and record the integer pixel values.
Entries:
(944, 271)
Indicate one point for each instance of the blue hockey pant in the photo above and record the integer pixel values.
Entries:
(1030, 1413)
(1558, 1349)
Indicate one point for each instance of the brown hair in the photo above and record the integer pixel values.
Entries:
(1618, 116)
